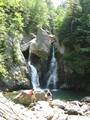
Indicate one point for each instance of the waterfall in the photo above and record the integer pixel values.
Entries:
(52, 71)
(33, 73)
(34, 76)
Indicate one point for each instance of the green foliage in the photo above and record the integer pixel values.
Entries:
(74, 31)
(18, 17)
(35, 16)
(60, 16)
(3, 71)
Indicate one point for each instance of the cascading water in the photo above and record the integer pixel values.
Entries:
(33, 73)
(53, 71)
(34, 76)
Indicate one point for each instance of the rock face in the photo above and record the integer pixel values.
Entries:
(39, 45)
(17, 69)
(38, 50)
(43, 42)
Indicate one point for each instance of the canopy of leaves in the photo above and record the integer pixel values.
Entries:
(73, 29)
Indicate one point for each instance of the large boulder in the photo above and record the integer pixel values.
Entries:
(39, 44)
(43, 41)
(43, 108)
(58, 103)
(73, 108)
(24, 97)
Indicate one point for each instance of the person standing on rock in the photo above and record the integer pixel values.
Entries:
(32, 94)
(48, 96)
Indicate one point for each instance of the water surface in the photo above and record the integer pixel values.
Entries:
(69, 95)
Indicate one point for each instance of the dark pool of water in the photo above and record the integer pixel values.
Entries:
(69, 95)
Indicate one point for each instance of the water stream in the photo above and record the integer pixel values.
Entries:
(34, 76)
(52, 80)
(52, 71)
(33, 73)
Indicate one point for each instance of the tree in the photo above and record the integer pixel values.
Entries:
(18, 17)
(37, 16)
(74, 32)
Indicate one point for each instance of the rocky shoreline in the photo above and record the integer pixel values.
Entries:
(57, 110)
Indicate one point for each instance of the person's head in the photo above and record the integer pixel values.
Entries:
(49, 90)
(33, 89)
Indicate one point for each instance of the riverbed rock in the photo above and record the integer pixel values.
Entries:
(73, 109)
(76, 103)
(73, 117)
(87, 113)
(59, 104)
(59, 117)
(24, 97)
(11, 111)
(85, 107)
(86, 99)
(42, 110)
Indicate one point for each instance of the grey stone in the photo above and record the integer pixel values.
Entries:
(86, 99)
